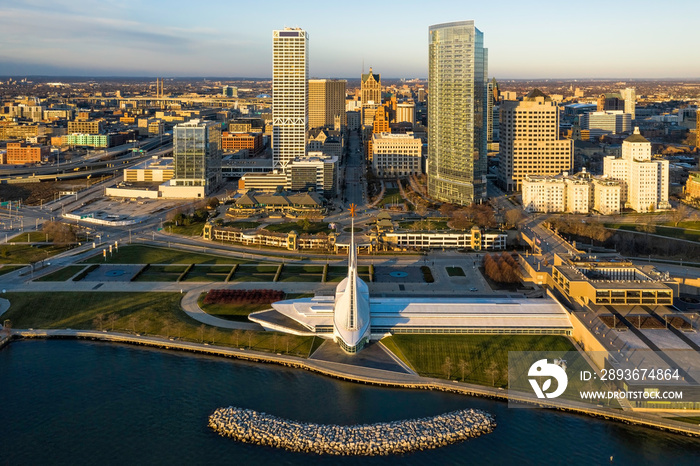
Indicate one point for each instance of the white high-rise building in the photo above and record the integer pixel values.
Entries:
(290, 69)
(645, 180)
(630, 98)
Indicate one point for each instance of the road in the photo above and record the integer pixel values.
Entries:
(354, 180)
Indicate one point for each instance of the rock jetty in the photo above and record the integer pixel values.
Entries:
(387, 438)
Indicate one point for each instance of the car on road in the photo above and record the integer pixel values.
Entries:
(473, 289)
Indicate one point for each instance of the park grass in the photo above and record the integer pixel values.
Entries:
(391, 196)
(240, 312)
(427, 353)
(243, 225)
(314, 227)
(14, 253)
(156, 314)
(208, 273)
(336, 273)
(455, 272)
(9, 268)
(301, 273)
(193, 229)
(689, 419)
(667, 231)
(61, 275)
(161, 273)
(33, 236)
(255, 273)
(141, 254)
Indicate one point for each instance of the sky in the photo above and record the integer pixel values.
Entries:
(176, 38)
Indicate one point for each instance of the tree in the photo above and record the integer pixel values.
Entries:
(132, 322)
(99, 321)
(463, 367)
(304, 224)
(250, 334)
(59, 232)
(513, 216)
(680, 214)
(236, 334)
(493, 372)
(112, 319)
(447, 367)
(213, 202)
(202, 328)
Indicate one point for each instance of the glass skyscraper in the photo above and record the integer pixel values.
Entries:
(457, 113)
(197, 155)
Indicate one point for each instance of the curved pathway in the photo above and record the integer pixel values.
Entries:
(191, 307)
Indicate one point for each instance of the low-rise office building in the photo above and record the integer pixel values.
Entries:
(20, 153)
(396, 155)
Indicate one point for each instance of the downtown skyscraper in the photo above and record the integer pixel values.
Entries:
(290, 69)
(457, 113)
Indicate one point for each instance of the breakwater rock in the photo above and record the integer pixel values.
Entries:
(386, 438)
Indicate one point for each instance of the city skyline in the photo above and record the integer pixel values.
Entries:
(168, 39)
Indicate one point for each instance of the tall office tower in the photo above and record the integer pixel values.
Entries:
(529, 140)
(326, 102)
(457, 110)
(290, 68)
(371, 95)
(197, 156)
(630, 98)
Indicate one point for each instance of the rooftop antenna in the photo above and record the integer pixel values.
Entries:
(363, 65)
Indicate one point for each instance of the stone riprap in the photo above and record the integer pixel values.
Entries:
(387, 438)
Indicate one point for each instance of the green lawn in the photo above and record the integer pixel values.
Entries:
(243, 225)
(455, 272)
(161, 273)
(670, 232)
(391, 196)
(301, 273)
(29, 237)
(140, 254)
(254, 273)
(336, 273)
(61, 275)
(240, 312)
(146, 313)
(690, 420)
(427, 353)
(193, 229)
(13, 253)
(314, 227)
(208, 273)
(9, 268)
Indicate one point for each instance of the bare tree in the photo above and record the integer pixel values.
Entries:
(132, 322)
(201, 330)
(112, 319)
(99, 321)
(513, 216)
(680, 214)
(463, 367)
(493, 372)
(447, 367)
(250, 334)
(236, 335)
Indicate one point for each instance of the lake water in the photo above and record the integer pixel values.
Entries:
(72, 402)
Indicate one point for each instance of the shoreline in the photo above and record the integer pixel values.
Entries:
(374, 377)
